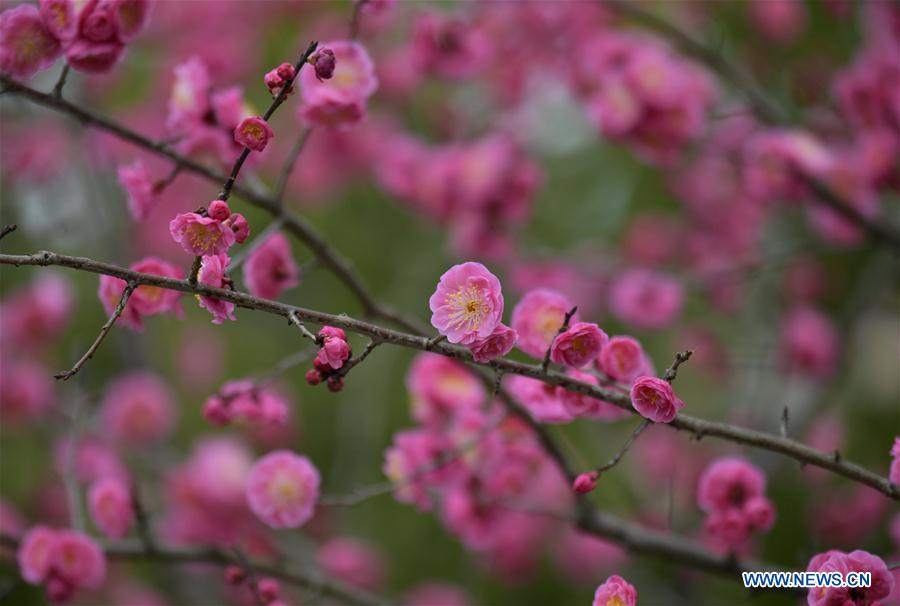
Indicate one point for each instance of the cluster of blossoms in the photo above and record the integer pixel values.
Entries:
(266, 589)
(277, 78)
(334, 351)
(732, 493)
(31, 316)
(209, 231)
(835, 561)
(203, 121)
(246, 402)
(341, 100)
(467, 308)
(480, 189)
(92, 34)
(466, 460)
(63, 561)
(638, 93)
(145, 300)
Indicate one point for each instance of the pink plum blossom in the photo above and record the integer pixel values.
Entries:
(244, 401)
(732, 493)
(146, 300)
(585, 482)
(201, 236)
(809, 342)
(855, 561)
(277, 78)
(270, 269)
(253, 133)
(212, 273)
(778, 20)
(537, 318)
(138, 409)
(111, 507)
(354, 561)
(654, 399)
(34, 314)
(467, 304)
(579, 345)
(540, 399)
(26, 45)
(342, 99)
(282, 489)
(623, 359)
(63, 560)
(27, 392)
(645, 299)
(334, 350)
(615, 591)
(447, 46)
(137, 183)
(497, 345)
(441, 388)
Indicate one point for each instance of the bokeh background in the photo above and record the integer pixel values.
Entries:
(59, 185)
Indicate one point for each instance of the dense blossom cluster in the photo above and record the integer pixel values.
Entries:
(461, 114)
(732, 493)
(92, 35)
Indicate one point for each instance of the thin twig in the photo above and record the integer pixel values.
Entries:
(8, 230)
(565, 325)
(251, 576)
(349, 364)
(698, 427)
(297, 226)
(631, 438)
(784, 421)
(104, 330)
(680, 358)
(276, 102)
(356, 19)
(61, 82)
(166, 181)
(294, 319)
(142, 519)
(289, 163)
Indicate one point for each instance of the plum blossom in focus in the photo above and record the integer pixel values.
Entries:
(467, 304)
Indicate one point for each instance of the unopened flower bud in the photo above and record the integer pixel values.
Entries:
(585, 482)
(324, 62)
(218, 210)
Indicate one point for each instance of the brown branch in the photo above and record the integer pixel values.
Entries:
(699, 427)
(762, 105)
(294, 224)
(289, 163)
(565, 325)
(303, 578)
(680, 358)
(8, 230)
(618, 456)
(61, 82)
(104, 330)
(276, 103)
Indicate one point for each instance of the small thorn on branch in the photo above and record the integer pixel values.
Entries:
(294, 319)
(8, 230)
(58, 88)
(565, 325)
(784, 422)
(126, 294)
(680, 358)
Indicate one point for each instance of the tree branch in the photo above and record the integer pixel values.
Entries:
(302, 578)
(294, 224)
(104, 330)
(698, 427)
(761, 104)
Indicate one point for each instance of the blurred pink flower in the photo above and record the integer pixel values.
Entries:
(341, 100)
(282, 489)
(138, 409)
(270, 269)
(537, 318)
(26, 45)
(353, 561)
(212, 273)
(615, 591)
(111, 507)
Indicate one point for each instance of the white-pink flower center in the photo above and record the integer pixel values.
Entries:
(468, 308)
